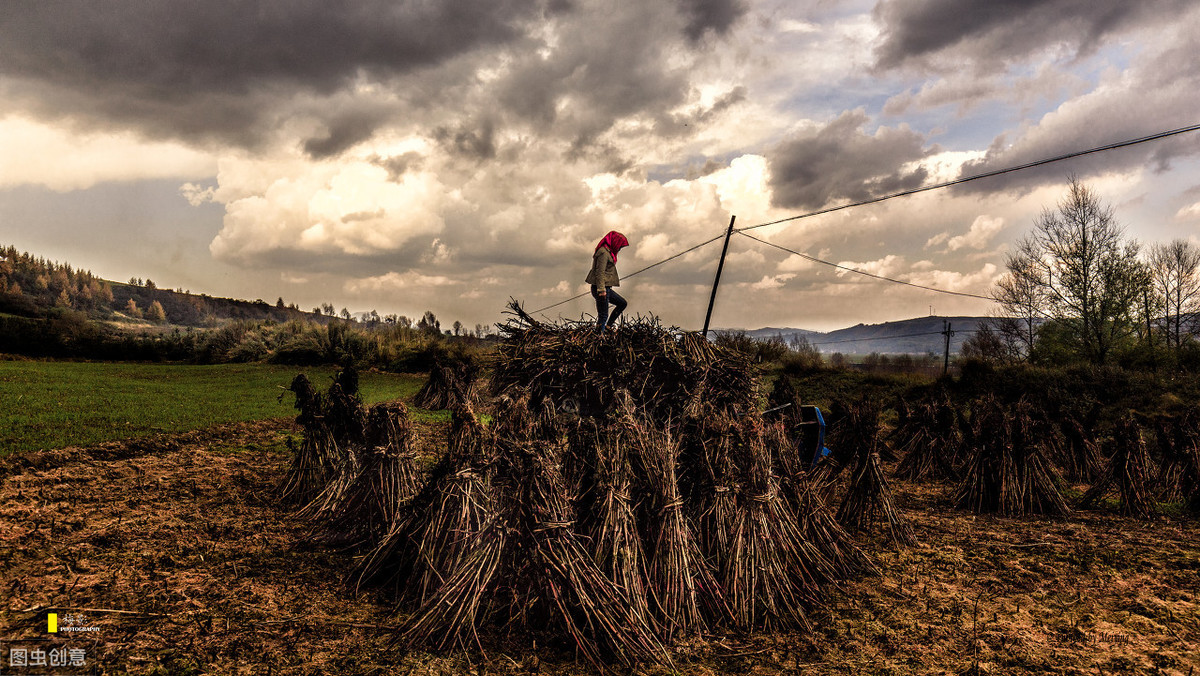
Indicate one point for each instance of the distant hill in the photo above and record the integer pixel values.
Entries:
(909, 336)
(35, 287)
(188, 309)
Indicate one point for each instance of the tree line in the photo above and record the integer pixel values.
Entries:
(1078, 289)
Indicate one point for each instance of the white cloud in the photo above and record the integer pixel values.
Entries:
(1190, 212)
(794, 263)
(981, 233)
(351, 208)
(771, 282)
(884, 267)
(397, 281)
(58, 158)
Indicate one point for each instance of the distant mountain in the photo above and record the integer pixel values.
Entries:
(910, 336)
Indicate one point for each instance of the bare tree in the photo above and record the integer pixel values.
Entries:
(1024, 298)
(1090, 274)
(1175, 269)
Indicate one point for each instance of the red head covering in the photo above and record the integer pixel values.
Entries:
(613, 241)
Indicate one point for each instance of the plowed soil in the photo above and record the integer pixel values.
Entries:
(171, 555)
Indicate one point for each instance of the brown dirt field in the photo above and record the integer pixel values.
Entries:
(175, 551)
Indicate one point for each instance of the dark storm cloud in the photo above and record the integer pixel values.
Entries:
(608, 63)
(211, 69)
(343, 131)
(841, 162)
(478, 142)
(398, 165)
(703, 16)
(996, 32)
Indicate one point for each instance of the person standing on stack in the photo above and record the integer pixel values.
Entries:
(603, 277)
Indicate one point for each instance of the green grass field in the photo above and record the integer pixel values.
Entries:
(56, 404)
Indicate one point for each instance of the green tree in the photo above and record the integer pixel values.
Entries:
(156, 313)
(1084, 271)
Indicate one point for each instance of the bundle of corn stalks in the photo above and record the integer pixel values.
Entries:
(1127, 471)
(436, 527)
(1178, 437)
(369, 507)
(930, 439)
(1008, 472)
(668, 373)
(527, 569)
(684, 591)
(332, 423)
(868, 498)
(312, 462)
(707, 472)
(610, 520)
(448, 385)
(1070, 445)
(771, 571)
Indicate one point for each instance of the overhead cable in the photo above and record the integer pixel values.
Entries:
(986, 174)
(864, 272)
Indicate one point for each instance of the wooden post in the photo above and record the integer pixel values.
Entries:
(947, 333)
(720, 265)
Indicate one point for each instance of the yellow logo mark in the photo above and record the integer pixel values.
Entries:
(52, 623)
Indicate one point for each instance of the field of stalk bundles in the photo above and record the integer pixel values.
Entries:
(637, 501)
(629, 492)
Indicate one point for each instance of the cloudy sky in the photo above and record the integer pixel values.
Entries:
(413, 155)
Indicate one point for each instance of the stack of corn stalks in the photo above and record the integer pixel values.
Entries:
(670, 509)
(528, 568)
(1127, 471)
(449, 385)
(434, 531)
(367, 510)
(868, 498)
(1008, 472)
(929, 436)
(332, 423)
(667, 372)
(1178, 437)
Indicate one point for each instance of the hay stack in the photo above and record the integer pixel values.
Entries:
(668, 373)
(1008, 472)
(868, 498)
(585, 530)
(529, 570)
(1127, 471)
(449, 385)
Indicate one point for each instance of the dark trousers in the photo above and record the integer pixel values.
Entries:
(602, 302)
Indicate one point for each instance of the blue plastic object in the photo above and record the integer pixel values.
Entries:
(812, 433)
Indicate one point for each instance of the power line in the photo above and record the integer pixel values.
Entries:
(998, 172)
(636, 272)
(906, 335)
(987, 174)
(863, 272)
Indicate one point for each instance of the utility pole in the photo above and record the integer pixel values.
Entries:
(720, 265)
(947, 332)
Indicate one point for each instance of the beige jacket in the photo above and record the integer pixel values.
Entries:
(604, 270)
